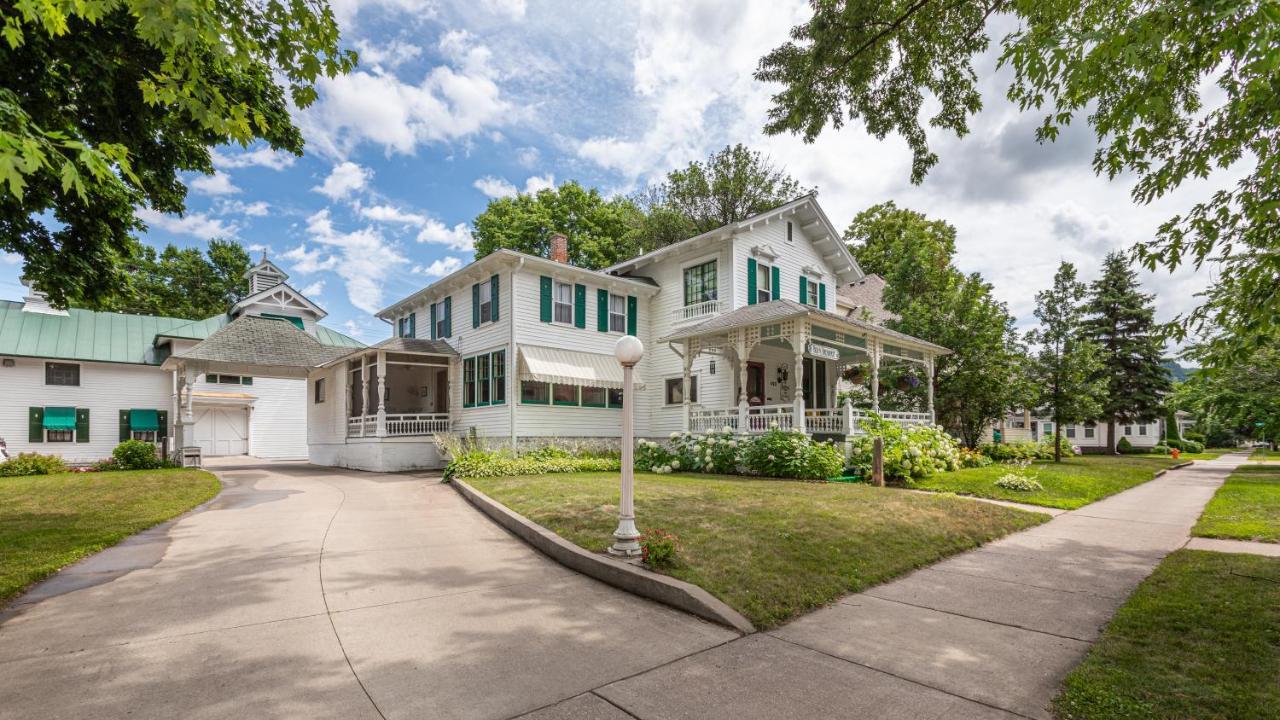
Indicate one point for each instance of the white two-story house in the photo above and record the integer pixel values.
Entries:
(740, 327)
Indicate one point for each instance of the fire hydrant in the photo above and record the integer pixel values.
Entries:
(1175, 453)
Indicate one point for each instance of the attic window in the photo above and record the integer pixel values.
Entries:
(790, 232)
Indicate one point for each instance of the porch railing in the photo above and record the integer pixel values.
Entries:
(701, 421)
(763, 417)
(399, 425)
(825, 420)
(697, 311)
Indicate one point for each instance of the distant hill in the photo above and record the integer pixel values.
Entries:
(1176, 371)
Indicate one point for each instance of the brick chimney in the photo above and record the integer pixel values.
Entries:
(560, 248)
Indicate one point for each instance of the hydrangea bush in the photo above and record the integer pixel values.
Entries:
(792, 454)
(912, 453)
(709, 452)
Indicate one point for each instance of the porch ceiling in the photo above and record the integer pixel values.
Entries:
(776, 311)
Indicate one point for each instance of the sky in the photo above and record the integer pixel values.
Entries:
(457, 103)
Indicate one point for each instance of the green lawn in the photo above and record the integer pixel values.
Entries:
(50, 521)
(1072, 483)
(1246, 507)
(1208, 454)
(1200, 638)
(771, 549)
(1265, 455)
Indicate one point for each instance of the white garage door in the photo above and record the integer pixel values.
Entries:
(222, 431)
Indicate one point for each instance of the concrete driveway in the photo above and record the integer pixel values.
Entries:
(313, 593)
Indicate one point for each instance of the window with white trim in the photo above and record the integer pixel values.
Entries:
(1128, 430)
(764, 283)
(674, 394)
(486, 299)
(144, 435)
(1142, 429)
(320, 389)
(618, 313)
(811, 293)
(1089, 430)
(61, 374)
(700, 283)
(484, 379)
(790, 232)
(442, 321)
(60, 435)
(563, 306)
(1071, 432)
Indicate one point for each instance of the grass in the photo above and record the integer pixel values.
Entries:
(771, 549)
(1208, 454)
(1072, 483)
(50, 521)
(1199, 638)
(1246, 507)
(1265, 455)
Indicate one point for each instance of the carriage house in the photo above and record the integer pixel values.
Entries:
(740, 327)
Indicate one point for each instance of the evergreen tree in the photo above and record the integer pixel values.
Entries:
(1066, 369)
(1121, 322)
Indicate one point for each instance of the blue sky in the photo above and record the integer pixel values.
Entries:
(455, 103)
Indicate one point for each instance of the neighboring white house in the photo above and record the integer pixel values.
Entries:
(740, 326)
(1091, 436)
(77, 382)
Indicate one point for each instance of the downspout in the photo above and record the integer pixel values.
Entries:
(513, 397)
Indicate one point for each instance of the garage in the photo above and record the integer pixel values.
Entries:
(222, 430)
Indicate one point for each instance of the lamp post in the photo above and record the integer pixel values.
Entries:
(626, 538)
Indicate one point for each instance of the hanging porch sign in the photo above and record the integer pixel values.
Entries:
(825, 352)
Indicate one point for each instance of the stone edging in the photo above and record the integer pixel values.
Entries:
(666, 590)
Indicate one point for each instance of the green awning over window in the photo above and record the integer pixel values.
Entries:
(144, 420)
(59, 418)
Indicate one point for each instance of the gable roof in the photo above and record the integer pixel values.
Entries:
(281, 287)
(866, 295)
(87, 335)
(201, 329)
(274, 345)
(846, 267)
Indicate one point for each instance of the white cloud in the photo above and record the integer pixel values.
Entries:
(313, 290)
(528, 156)
(195, 224)
(258, 208)
(362, 258)
(218, 183)
(345, 179)
(440, 267)
(495, 187)
(452, 102)
(457, 237)
(543, 182)
(259, 157)
(308, 260)
(389, 56)
(392, 214)
(10, 258)
(513, 9)
(347, 10)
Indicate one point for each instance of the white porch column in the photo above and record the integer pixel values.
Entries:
(684, 391)
(382, 393)
(848, 416)
(929, 372)
(875, 375)
(364, 391)
(740, 349)
(797, 418)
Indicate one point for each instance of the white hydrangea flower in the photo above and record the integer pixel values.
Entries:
(773, 425)
(772, 458)
(727, 430)
(675, 435)
(675, 464)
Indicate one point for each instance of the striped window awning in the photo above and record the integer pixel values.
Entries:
(572, 367)
(144, 420)
(59, 418)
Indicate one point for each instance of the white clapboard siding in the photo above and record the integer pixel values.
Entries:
(105, 389)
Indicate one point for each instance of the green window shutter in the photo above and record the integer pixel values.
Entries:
(545, 308)
(124, 425)
(448, 316)
(631, 314)
(475, 305)
(413, 324)
(433, 321)
(35, 424)
(776, 291)
(804, 290)
(493, 296)
(163, 417)
(579, 306)
(82, 425)
(602, 310)
(822, 296)
(751, 281)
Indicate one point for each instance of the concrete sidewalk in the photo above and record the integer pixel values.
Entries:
(987, 634)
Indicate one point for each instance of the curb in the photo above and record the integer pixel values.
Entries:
(666, 590)
(1179, 466)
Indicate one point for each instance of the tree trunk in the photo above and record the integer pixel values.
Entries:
(1057, 439)
(1111, 436)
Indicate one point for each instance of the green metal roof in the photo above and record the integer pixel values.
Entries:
(82, 335)
(111, 337)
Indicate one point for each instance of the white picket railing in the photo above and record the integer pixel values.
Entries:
(697, 311)
(763, 417)
(701, 421)
(399, 425)
(825, 420)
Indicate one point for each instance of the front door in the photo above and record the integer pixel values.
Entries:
(755, 383)
(815, 376)
(442, 391)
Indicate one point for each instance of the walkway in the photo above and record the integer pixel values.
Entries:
(303, 592)
(987, 634)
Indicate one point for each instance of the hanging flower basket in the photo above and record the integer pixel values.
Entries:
(908, 382)
(856, 374)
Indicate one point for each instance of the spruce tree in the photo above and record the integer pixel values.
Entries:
(1120, 320)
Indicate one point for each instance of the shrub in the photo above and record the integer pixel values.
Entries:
(1018, 482)
(653, 457)
(1192, 446)
(1193, 435)
(973, 458)
(1174, 443)
(1124, 446)
(478, 462)
(32, 464)
(659, 547)
(909, 453)
(710, 452)
(1008, 452)
(136, 455)
(788, 454)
